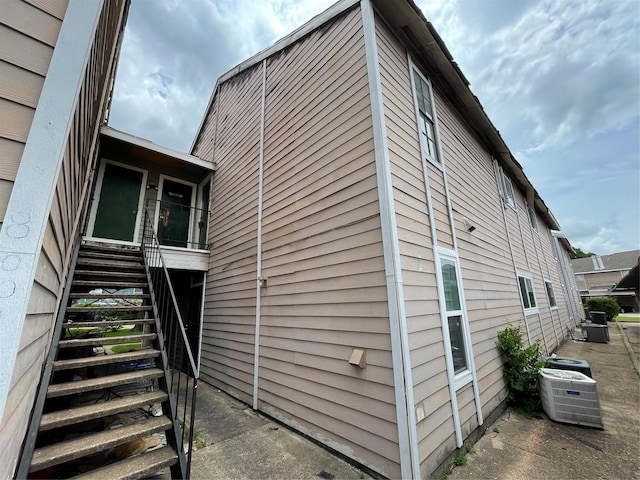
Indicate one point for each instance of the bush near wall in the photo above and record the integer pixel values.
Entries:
(607, 305)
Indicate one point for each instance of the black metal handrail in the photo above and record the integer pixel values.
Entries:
(182, 379)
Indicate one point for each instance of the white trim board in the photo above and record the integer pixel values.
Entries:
(403, 382)
(27, 213)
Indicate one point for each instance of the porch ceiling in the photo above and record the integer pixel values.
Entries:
(147, 151)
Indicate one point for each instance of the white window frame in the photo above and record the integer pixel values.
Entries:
(548, 284)
(428, 118)
(505, 186)
(528, 310)
(464, 377)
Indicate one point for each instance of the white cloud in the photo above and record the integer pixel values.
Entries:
(559, 78)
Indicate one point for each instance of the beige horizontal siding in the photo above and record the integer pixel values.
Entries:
(229, 311)
(322, 251)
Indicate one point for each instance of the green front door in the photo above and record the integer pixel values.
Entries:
(175, 214)
(118, 205)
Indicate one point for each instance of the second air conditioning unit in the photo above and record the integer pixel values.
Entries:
(570, 397)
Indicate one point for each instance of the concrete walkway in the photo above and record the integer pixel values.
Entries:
(519, 448)
(235, 442)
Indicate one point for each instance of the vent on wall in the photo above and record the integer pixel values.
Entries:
(570, 397)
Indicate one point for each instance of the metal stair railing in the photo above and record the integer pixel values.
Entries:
(181, 378)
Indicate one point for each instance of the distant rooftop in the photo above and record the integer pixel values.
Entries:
(614, 261)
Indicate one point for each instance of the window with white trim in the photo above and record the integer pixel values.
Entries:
(426, 118)
(451, 289)
(527, 293)
(532, 218)
(552, 298)
(505, 187)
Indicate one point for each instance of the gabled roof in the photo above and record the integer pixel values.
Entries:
(599, 263)
(408, 23)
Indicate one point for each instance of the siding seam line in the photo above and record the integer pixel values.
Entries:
(403, 383)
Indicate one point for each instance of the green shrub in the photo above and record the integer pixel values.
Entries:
(607, 305)
(521, 369)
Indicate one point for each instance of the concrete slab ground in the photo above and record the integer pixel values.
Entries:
(518, 448)
(235, 442)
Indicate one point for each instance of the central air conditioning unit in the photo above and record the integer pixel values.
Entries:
(570, 397)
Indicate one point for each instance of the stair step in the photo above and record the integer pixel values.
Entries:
(71, 416)
(109, 273)
(104, 359)
(84, 342)
(87, 262)
(133, 468)
(70, 450)
(108, 323)
(106, 284)
(109, 247)
(110, 253)
(68, 388)
(124, 296)
(111, 308)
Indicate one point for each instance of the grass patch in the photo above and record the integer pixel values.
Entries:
(460, 459)
(126, 347)
(627, 319)
(121, 332)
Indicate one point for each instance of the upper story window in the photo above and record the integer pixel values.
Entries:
(426, 118)
(550, 294)
(532, 218)
(527, 292)
(505, 187)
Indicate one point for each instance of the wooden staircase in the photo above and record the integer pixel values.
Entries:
(106, 411)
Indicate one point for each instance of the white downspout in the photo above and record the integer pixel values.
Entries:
(256, 350)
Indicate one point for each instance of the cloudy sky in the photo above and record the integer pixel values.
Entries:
(560, 79)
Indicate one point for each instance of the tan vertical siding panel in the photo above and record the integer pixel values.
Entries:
(57, 8)
(20, 85)
(320, 200)
(31, 21)
(15, 121)
(430, 385)
(5, 193)
(24, 51)
(229, 317)
(11, 153)
(467, 409)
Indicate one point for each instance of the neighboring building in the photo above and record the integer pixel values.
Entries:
(370, 234)
(599, 275)
(630, 284)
